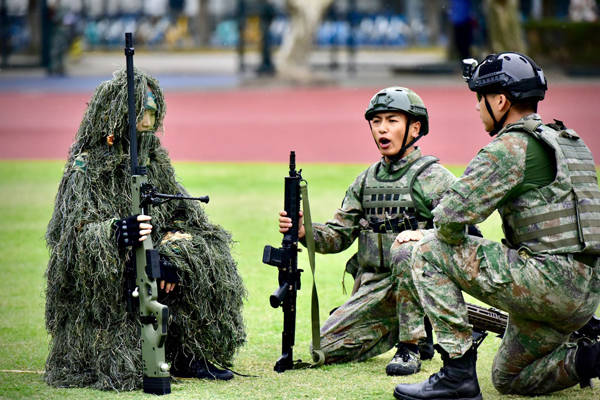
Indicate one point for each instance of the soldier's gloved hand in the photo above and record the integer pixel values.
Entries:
(132, 230)
(168, 275)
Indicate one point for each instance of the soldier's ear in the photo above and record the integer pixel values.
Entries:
(503, 102)
(415, 128)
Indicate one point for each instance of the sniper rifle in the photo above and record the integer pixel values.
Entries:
(153, 315)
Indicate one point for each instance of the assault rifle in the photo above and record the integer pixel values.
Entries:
(492, 320)
(153, 315)
(285, 259)
(487, 319)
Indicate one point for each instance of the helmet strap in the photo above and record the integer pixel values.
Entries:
(371, 130)
(406, 146)
(497, 124)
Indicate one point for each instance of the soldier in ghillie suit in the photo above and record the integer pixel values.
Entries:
(95, 341)
(394, 194)
(542, 180)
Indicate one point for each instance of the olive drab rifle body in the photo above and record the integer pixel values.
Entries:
(153, 315)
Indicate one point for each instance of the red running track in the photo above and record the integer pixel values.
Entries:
(321, 124)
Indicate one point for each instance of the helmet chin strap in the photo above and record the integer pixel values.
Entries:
(497, 124)
(406, 146)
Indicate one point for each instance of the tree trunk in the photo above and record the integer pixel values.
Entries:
(294, 55)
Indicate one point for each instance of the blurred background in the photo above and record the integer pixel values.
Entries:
(270, 37)
(297, 72)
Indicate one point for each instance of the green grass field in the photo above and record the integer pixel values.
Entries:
(245, 199)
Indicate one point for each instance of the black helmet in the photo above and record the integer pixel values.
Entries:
(514, 74)
(397, 98)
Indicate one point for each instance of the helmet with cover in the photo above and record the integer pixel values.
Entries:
(397, 98)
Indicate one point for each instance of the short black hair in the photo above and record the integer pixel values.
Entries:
(527, 105)
(522, 105)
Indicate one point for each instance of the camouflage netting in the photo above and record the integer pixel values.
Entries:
(94, 341)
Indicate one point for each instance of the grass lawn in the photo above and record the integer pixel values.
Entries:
(245, 199)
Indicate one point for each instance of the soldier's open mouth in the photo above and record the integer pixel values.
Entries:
(384, 142)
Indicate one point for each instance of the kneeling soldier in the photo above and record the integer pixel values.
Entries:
(542, 180)
(393, 195)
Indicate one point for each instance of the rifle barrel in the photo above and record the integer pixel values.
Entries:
(129, 51)
(202, 199)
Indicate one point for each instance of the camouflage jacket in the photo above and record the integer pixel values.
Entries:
(489, 180)
(339, 233)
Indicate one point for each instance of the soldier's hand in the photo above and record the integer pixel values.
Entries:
(132, 230)
(285, 223)
(167, 286)
(168, 273)
(409, 236)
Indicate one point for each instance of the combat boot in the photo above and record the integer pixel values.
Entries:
(406, 361)
(426, 350)
(457, 380)
(587, 361)
(201, 369)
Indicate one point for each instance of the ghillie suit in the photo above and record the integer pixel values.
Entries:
(94, 341)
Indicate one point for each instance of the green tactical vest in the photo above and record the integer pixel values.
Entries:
(564, 216)
(389, 208)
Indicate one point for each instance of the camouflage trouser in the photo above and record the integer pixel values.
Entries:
(408, 307)
(364, 326)
(367, 324)
(547, 297)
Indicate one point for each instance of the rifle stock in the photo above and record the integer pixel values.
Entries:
(285, 259)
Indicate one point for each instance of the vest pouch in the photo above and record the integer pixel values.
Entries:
(374, 251)
(588, 214)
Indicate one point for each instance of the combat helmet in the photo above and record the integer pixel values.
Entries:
(397, 98)
(513, 74)
(400, 99)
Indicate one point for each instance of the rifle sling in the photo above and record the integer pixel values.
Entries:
(317, 354)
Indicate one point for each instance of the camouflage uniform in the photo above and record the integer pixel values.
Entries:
(548, 292)
(367, 324)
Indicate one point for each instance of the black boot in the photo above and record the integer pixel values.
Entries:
(587, 362)
(426, 350)
(201, 369)
(457, 380)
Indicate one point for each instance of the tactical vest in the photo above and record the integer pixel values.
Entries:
(564, 216)
(389, 208)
